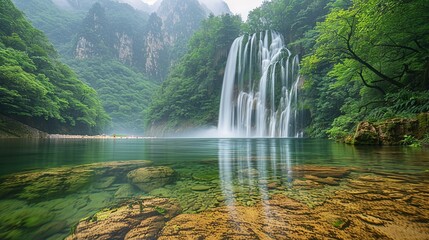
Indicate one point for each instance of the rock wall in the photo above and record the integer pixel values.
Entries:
(10, 128)
(391, 131)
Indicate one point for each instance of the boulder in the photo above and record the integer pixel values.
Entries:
(150, 178)
(135, 219)
(37, 185)
(366, 134)
(392, 131)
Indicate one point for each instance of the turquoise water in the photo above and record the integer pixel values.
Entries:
(34, 202)
(20, 155)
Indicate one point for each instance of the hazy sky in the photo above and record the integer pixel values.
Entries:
(242, 7)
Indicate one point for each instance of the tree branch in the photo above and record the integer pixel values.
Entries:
(397, 46)
(373, 102)
(370, 86)
(366, 64)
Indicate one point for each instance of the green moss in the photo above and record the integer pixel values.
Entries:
(160, 210)
(340, 223)
(423, 120)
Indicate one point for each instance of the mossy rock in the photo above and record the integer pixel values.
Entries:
(58, 182)
(423, 121)
(150, 178)
(34, 186)
(366, 134)
(200, 188)
(125, 191)
(392, 131)
(205, 176)
(27, 217)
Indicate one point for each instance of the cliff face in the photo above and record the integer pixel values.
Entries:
(90, 42)
(180, 18)
(10, 128)
(149, 43)
(124, 48)
(155, 48)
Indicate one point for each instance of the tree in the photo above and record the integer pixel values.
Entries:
(191, 93)
(38, 89)
(378, 49)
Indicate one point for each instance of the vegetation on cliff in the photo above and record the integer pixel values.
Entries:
(191, 93)
(35, 87)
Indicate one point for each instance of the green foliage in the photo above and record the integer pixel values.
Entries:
(411, 141)
(425, 140)
(371, 58)
(36, 88)
(124, 92)
(191, 93)
(160, 210)
(294, 19)
(59, 25)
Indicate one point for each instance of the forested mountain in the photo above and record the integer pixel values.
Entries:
(362, 60)
(114, 45)
(36, 88)
(191, 93)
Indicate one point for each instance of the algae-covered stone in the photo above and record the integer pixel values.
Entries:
(125, 191)
(201, 187)
(150, 178)
(45, 184)
(58, 182)
(161, 192)
(136, 219)
(105, 182)
(366, 134)
(205, 176)
(27, 217)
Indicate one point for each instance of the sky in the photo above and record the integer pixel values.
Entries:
(242, 7)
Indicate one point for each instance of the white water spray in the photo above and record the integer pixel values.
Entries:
(260, 89)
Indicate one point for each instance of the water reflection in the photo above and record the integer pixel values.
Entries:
(250, 168)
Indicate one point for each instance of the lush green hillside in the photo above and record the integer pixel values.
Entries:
(370, 61)
(59, 25)
(121, 52)
(36, 87)
(362, 60)
(190, 96)
(124, 93)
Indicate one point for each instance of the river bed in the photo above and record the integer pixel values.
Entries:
(211, 189)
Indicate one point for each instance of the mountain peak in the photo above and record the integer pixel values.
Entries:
(217, 7)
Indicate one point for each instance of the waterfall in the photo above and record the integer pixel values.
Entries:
(260, 89)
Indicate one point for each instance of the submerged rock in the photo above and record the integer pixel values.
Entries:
(125, 191)
(45, 184)
(205, 176)
(370, 219)
(201, 187)
(58, 182)
(105, 182)
(150, 178)
(136, 219)
(320, 171)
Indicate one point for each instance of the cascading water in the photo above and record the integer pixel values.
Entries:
(260, 89)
